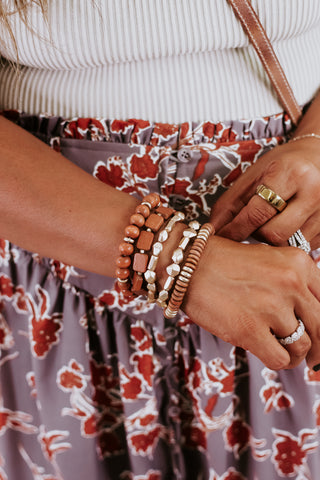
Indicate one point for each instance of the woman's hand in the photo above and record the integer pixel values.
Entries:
(291, 171)
(248, 295)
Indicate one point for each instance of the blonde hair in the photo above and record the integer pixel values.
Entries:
(20, 7)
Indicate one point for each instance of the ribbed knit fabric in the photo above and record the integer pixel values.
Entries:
(163, 60)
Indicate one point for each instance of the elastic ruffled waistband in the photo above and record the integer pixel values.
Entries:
(141, 132)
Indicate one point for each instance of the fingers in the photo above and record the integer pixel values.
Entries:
(256, 213)
(267, 348)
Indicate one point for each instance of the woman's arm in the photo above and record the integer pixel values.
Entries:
(52, 207)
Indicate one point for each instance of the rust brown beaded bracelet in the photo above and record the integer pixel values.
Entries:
(126, 247)
(190, 265)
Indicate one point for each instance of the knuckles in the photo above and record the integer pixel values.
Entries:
(257, 216)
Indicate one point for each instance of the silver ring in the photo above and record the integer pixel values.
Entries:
(298, 240)
(295, 336)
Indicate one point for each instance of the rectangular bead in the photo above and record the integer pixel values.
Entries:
(137, 283)
(145, 240)
(154, 222)
(166, 212)
(140, 262)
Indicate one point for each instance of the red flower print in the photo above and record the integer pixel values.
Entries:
(7, 253)
(43, 328)
(208, 129)
(272, 394)
(194, 437)
(144, 443)
(145, 366)
(290, 453)
(6, 287)
(6, 337)
(237, 437)
(105, 298)
(86, 127)
(141, 336)
(70, 377)
(131, 385)
(63, 271)
(224, 133)
(143, 166)
(48, 442)
(163, 133)
(15, 420)
(15, 294)
(139, 127)
(36, 470)
(31, 381)
(222, 376)
(111, 173)
(83, 409)
(311, 377)
(19, 300)
(120, 126)
(230, 474)
(144, 417)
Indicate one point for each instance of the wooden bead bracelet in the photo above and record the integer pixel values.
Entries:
(183, 280)
(126, 247)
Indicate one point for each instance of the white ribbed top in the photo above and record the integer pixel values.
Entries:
(162, 60)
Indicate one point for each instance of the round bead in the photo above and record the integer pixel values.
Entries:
(137, 219)
(143, 210)
(132, 231)
(153, 199)
(126, 248)
(122, 273)
(123, 262)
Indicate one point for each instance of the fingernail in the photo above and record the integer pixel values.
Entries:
(316, 367)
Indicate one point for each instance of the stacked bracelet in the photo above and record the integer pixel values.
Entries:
(182, 283)
(133, 262)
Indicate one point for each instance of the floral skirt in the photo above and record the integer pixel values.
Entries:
(93, 387)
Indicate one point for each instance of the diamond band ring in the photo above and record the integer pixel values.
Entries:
(295, 336)
(298, 240)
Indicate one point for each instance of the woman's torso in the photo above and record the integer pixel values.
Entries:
(163, 60)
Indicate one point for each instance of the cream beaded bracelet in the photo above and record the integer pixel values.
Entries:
(177, 257)
(150, 274)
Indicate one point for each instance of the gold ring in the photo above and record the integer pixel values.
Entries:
(271, 197)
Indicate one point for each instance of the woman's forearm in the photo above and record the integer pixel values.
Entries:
(52, 207)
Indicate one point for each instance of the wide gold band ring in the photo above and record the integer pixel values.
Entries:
(271, 197)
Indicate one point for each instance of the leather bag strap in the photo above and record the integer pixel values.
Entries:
(259, 39)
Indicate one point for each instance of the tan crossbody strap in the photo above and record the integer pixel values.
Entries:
(258, 37)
